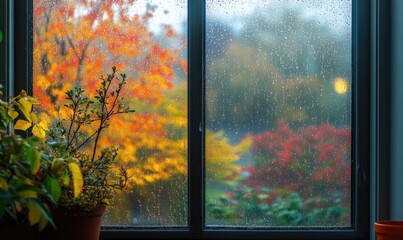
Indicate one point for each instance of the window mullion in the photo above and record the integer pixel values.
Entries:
(21, 56)
(196, 20)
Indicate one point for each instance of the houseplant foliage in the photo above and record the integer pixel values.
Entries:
(76, 136)
(28, 169)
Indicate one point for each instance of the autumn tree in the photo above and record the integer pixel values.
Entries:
(75, 42)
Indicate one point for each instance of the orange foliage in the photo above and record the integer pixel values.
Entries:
(77, 41)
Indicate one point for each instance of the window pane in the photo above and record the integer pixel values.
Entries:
(278, 113)
(77, 41)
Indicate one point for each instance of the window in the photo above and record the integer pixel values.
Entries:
(279, 85)
(198, 61)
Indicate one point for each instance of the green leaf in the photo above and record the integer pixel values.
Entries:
(42, 223)
(1, 36)
(34, 157)
(53, 188)
(57, 163)
(66, 178)
(3, 205)
(4, 201)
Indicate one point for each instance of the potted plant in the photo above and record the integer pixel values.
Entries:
(77, 137)
(28, 174)
(389, 230)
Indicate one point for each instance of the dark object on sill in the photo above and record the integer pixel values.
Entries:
(16, 231)
(74, 224)
(389, 230)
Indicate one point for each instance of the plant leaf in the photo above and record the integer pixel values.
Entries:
(3, 205)
(34, 157)
(57, 163)
(53, 188)
(31, 100)
(39, 132)
(42, 223)
(43, 210)
(12, 113)
(78, 181)
(28, 194)
(25, 107)
(34, 213)
(66, 178)
(34, 118)
(44, 125)
(22, 125)
(3, 184)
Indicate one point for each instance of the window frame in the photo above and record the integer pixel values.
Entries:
(19, 64)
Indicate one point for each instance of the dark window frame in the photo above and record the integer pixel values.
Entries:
(369, 122)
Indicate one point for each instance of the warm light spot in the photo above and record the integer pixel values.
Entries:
(340, 85)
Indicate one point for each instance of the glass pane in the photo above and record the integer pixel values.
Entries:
(77, 41)
(278, 113)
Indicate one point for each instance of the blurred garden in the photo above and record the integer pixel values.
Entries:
(278, 106)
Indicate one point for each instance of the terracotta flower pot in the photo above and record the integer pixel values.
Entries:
(389, 230)
(77, 225)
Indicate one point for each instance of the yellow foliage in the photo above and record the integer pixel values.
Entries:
(221, 156)
(77, 178)
(22, 125)
(34, 213)
(3, 184)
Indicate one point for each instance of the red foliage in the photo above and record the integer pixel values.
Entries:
(313, 160)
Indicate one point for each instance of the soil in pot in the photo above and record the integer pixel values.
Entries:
(389, 230)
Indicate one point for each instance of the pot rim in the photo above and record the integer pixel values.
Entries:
(389, 227)
(389, 223)
(79, 212)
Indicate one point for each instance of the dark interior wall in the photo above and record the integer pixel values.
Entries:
(396, 174)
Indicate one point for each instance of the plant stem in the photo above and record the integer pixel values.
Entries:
(71, 124)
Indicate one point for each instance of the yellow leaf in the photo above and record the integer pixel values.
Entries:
(26, 107)
(32, 100)
(39, 132)
(105, 201)
(22, 125)
(34, 213)
(78, 181)
(22, 94)
(12, 113)
(44, 125)
(33, 117)
(28, 194)
(3, 184)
